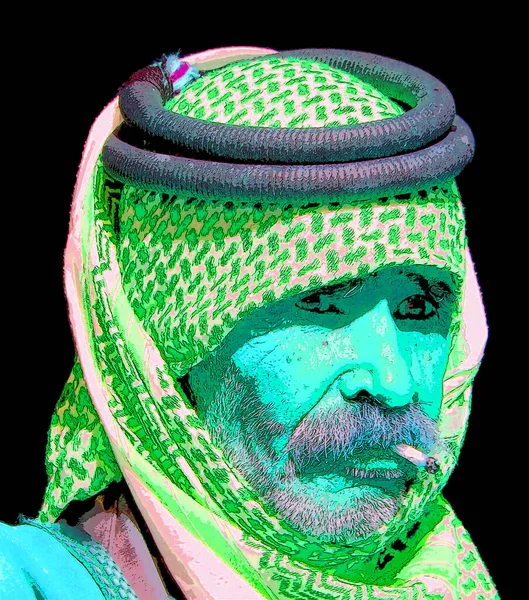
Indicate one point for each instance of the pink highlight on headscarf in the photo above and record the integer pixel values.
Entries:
(180, 72)
(217, 57)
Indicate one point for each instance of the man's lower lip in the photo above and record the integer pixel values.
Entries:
(354, 473)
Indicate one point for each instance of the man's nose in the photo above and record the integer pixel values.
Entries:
(379, 368)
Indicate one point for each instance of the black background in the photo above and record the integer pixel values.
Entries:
(66, 74)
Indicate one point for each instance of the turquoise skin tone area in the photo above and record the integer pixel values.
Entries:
(307, 397)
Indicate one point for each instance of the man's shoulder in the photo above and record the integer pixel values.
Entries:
(50, 561)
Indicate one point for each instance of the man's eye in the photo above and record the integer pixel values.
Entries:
(416, 307)
(317, 303)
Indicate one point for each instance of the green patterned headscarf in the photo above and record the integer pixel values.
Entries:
(156, 281)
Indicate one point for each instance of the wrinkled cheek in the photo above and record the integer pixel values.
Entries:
(429, 358)
(282, 368)
(287, 395)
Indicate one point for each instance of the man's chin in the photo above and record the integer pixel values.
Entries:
(337, 509)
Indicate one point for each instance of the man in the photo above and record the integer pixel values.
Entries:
(277, 324)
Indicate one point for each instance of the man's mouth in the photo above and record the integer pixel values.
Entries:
(365, 465)
(371, 473)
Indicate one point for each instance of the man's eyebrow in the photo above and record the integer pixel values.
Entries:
(349, 286)
(438, 288)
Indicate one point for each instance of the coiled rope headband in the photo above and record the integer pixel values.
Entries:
(427, 143)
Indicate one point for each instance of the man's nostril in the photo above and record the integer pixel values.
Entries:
(365, 397)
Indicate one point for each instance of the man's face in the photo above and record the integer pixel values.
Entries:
(307, 396)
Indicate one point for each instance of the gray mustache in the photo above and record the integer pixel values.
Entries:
(340, 433)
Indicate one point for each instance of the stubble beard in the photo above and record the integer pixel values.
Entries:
(343, 517)
(242, 427)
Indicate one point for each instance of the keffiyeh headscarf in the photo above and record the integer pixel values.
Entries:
(157, 275)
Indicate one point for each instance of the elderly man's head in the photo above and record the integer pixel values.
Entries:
(312, 332)
(308, 395)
